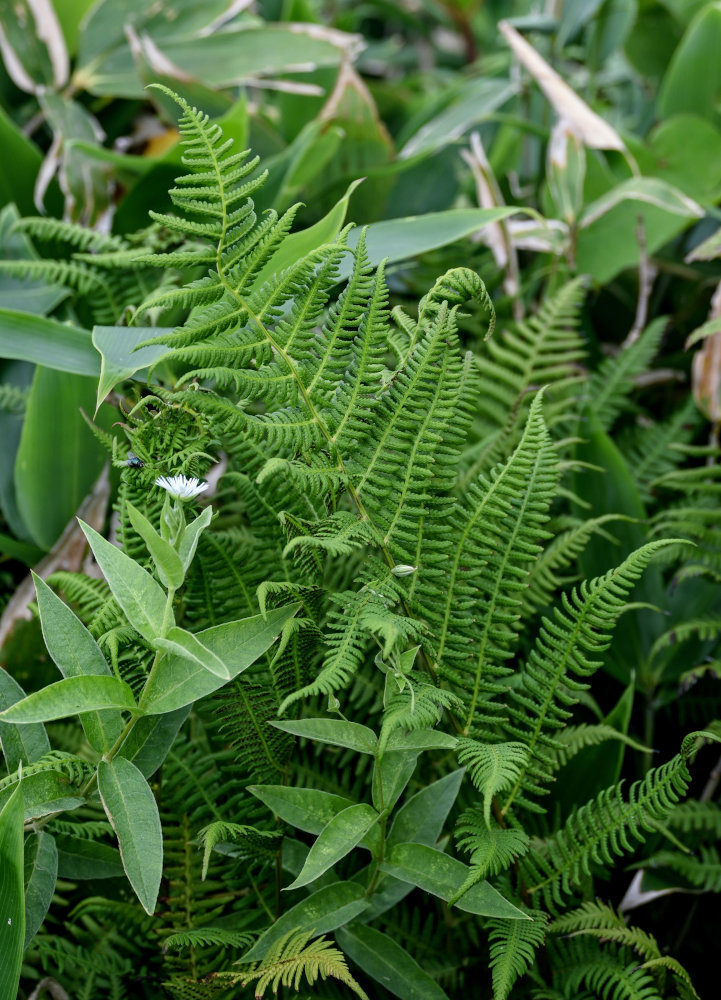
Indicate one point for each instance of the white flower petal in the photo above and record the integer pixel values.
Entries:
(181, 487)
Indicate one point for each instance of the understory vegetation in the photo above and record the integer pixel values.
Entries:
(359, 494)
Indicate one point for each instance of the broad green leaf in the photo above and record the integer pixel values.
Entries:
(79, 858)
(41, 873)
(177, 681)
(17, 374)
(691, 82)
(442, 875)
(222, 59)
(307, 809)
(131, 808)
(137, 593)
(166, 559)
(384, 960)
(337, 732)
(12, 894)
(299, 245)
(344, 831)
(420, 820)
(391, 774)
(71, 696)
(191, 535)
(151, 738)
(183, 644)
(19, 743)
(76, 654)
(473, 101)
(44, 792)
(119, 360)
(651, 190)
(47, 342)
(58, 459)
(326, 910)
(421, 739)
(19, 167)
(399, 239)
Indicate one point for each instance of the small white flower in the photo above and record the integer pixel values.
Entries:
(181, 487)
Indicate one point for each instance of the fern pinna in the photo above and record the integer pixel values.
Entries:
(428, 679)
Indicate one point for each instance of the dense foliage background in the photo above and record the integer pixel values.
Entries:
(425, 500)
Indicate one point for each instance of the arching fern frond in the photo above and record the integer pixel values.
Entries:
(492, 767)
(294, 957)
(559, 663)
(603, 829)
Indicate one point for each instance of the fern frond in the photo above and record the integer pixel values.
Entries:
(492, 767)
(513, 946)
(702, 869)
(492, 849)
(472, 600)
(294, 957)
(602, 829)
(260, 845)
(610, 385)
(561, 660)
(203, 936)
(572, 739)
(544, 350)
(601, 921)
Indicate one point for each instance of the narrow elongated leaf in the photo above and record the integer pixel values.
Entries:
(193, 531)
(421, 739)
(137, 593)
(337, 732)
(390, 965)
(58, 459)
(19, 743)
(166, 559)
(12, 897)
(442, 875)
(307, 809)
(85, 859)
(178, 682)
(76, 654)
(43, 793)
(188, 647)
(420, 820)
(41, 873)
(651, 190)
(330, 907)
(335, 840)
(72, 696)
(151, 738)
(47, 342)
(131, 808)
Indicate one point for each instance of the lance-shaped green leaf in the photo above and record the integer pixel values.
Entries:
(44, 792)
(384, 960)
(19, 743)
(307, 809)
(41, 873)
(87, 859)
(330, 907)
(336, 732)
(72, 696)
(193, 531)
(133, 812)
(335, 840)
(12, 894)
(166, 559)
(420, 820)
(177, 681)
(137, 593)
(149, 741)
(76, 654)
(187, 646)
(442, 875)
